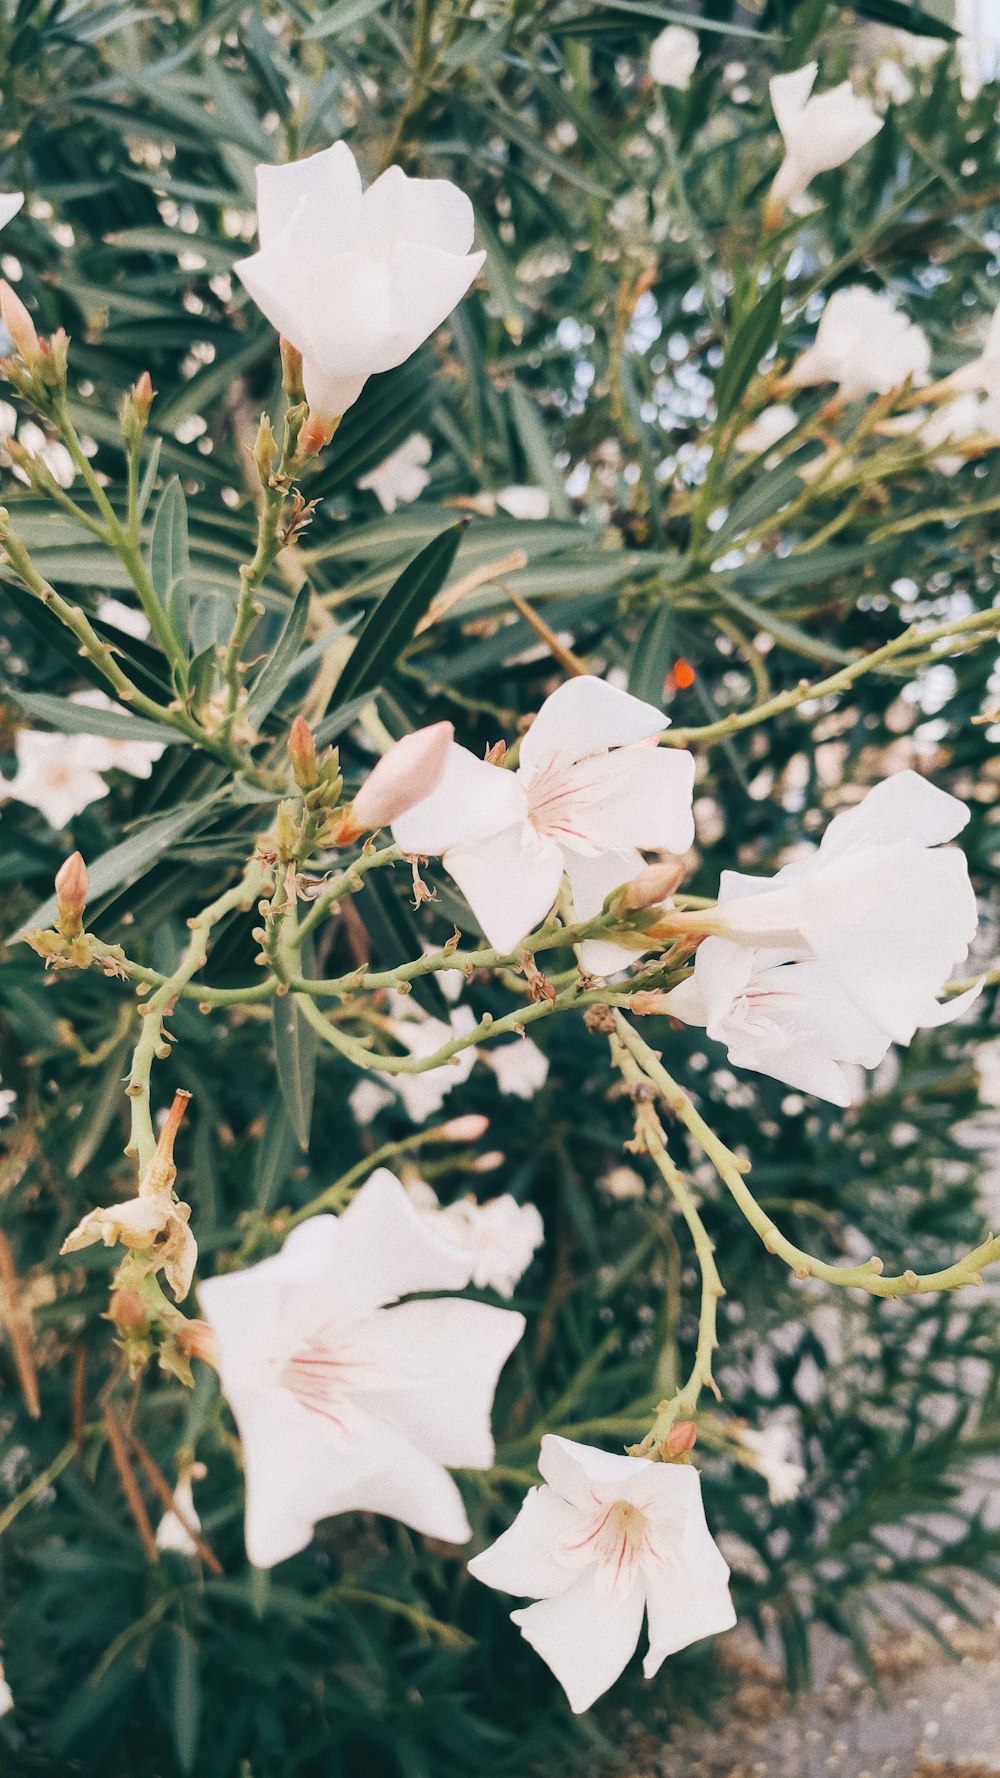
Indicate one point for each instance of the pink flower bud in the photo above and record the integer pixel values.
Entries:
(302, 753)
(316, 434)
(489, 1162)
(651, 886)
(19, 324)
(404, 776)
(679, 1440)
(196, 1339)
(465, 1129)
(71, 886)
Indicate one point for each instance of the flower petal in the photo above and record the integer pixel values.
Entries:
(944, 1011)
(789, 93)
(905, 806)
(509, 881)
(472, 801)
(586, 1638)
(645, 800)
(591, 881)
(426, 285)
(10, 204)
(523, 1559)
(432, 211)
(573, 1469)
(445, 1358)
(586, 715)
(688, 1594)
(324, 189)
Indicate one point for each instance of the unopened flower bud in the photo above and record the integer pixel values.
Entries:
(134, 411)
(302, 753)
(648, 1002)
(19, 325)
(488, 1162)
(679, 1441)
(265, 451)
(315, 434)
(469, 1128)
(404, 776)
(649, 888)
(71, 894)
(291, 371)
(128, 1312)
(196, 1339)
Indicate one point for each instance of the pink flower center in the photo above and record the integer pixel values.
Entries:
(560, 796)
(323, 1376)
(618, 1537)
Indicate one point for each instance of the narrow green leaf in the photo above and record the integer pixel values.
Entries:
(537, 449)
(274, 1155)
(169, 560)
(394, 619)
(81, 719)
(295, 1051)
(186, 1700)
(149, 476)
(341, 17)
(755, 334)
(651, 656)
(270, 680)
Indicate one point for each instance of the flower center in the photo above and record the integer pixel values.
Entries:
(559, 797)
(323, 1376)
(617, 1536)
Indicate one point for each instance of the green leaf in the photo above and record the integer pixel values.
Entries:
(394, 619)
(903, 17)
(274, 1155)
(81, 719)
(270, 681)
(341, 17)
(186, 1700)
(537, 450)
(170, 562)
(149, 477)
(755, 334)
(652, 655)
(295, 1051)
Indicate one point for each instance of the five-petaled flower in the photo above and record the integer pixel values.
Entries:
(820, 131)
(606, 1540)
(864, 345)
(884, 909)
(591, 792)
(346, 1399)
(356, 281)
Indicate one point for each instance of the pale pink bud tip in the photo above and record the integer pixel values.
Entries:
(71, 885)
(302, 753)
(465, 1129)
(18, 323)
(680, 1439)
(316, 434)
(404, 776)
(653, 885)
(196, 1339)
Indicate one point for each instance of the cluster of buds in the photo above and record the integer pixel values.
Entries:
(39, 370)
(133, 414)
(65, 944)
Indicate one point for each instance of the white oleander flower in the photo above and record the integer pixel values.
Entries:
(524, 502)
(863, 344)
(884, 906)
(502, 1235)
(673, 57)
(108, 753)
(421, 1035)
(604, 1543)
(127, 618)
(820, 131)
(354, 280)
(774, 1449)
(402, 476)
(403, 776)
(592, 790)
(6, 1695)
(769, 427)
(521, 1067)
(347, 1400)
(55, 774)
(50, 451)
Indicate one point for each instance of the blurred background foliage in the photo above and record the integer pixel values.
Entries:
(587, 363)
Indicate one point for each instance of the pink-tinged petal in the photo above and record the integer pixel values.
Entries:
(645, 800)
(473, 801)
(426, 285)
(789, 93)
(438, 1364)
(325, 190)
(523, 1560)
(413, 765)
(509, 882)
(575, 1470)
(586, 1638)
(586, 715)
(903, 807)
(945, 1011)
(431, 211)
(10, 204)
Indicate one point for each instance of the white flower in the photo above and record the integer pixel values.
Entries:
(356, 281)
(983, 373)
(773, 1448)
(524, 502)
(770, 426)
(420, 1034)
(400, 477)
(367, 1099)
(172, 1532)
(6, 1695)
(591, 789)
(673, 57)
(978, 45)
(10, 204)
(50, 451)
(127, 618)
(521, 1067)
(891, 83)
(502, 1235)
(56, 775)
(345, 1399)
(864, 344)
(108, 753)
(819, 132)
(606, 1540)
(883, 905)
